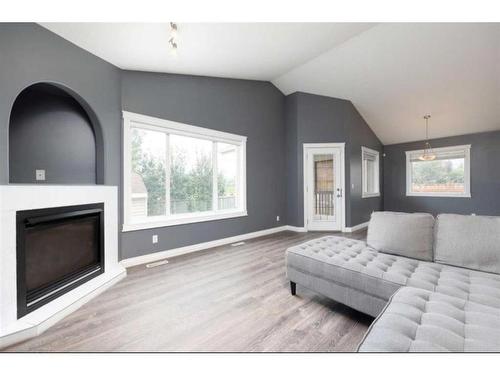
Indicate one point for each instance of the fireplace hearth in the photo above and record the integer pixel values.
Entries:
(58, 249)
(93, 249)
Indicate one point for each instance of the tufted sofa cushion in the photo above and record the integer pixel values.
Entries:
(468, 241)
(406, 234)
(353, 264)
(420, 320)
(433, 307)
(347, 267)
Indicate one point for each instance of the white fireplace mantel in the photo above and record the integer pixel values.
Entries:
(26, 197)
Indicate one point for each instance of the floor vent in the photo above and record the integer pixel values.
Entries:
(238, 244)
(156, 264)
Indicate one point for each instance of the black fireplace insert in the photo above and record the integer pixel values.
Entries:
(58, 249)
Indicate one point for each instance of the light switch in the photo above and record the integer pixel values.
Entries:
(40, 174)
(155, 238)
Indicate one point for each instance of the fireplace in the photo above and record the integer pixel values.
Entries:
(58, 249)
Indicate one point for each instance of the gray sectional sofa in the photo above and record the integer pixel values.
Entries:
(432, 284)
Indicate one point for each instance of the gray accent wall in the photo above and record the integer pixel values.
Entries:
(30, 54)
(321, 119)
(360, 134)
(310, 119)
(250, 108)
(485, 177)
(49, 130)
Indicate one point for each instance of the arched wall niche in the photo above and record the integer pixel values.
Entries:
(54, 129)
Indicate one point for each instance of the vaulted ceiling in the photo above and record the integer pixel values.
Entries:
(261, 51)
(393, 73)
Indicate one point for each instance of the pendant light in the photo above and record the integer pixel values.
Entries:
(428, 154)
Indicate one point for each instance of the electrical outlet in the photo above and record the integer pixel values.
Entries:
(277, 218)
(40, 174)
(155, 238)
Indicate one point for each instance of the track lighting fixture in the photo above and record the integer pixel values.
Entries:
(173, 38)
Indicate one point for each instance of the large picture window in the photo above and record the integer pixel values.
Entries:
(176, 173)
(448, 175)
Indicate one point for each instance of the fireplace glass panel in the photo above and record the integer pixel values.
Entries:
(58, 250)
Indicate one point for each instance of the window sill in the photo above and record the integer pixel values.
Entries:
(370, 195)
(163, 222)
(438, 195)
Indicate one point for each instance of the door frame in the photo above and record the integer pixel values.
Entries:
(341, 146)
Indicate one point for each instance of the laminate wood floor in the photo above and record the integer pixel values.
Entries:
(227, 299)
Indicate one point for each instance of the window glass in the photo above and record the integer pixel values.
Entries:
(191, 178)
(227, 176)
(148, 188)
(446, 175)
(370, 172)
(438, 176)
(178, 173)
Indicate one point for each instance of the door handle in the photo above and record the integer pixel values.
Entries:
(339, 193)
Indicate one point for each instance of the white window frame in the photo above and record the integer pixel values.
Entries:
(364, 184)
(441, 150)
(134, 120)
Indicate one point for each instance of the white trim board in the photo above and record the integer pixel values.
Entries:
(295, 229)
(451, 150)
(305, 147)
(364, 173)
(356, 227)
(181, 128)
(169, 128)
(165, 254)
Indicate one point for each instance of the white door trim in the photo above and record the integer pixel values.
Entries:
(307, 146)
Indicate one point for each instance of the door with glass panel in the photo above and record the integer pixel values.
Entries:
(323, 187)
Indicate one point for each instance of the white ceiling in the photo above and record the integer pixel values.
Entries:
(393, 73)
(260, 51)
(396, 73)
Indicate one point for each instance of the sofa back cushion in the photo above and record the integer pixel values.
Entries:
(468, 241)
(409, 235)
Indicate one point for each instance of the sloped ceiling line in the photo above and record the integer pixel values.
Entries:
(393, 73)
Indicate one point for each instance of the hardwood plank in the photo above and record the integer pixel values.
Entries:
(224, 299)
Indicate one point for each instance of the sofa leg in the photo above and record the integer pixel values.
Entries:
(293, 288)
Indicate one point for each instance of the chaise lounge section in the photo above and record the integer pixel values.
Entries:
(434, 285)
(417, 320)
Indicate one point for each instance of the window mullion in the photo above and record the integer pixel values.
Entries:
(167, 175)
(127, 137)
(365, 176)
(215, 187)
(138, 219)
(238, 194)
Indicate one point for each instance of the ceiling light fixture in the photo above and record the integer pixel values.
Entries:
(173, 30)
(173, 38)
(428, 154)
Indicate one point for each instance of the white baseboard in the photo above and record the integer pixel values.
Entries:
(165, 254)
(148, 258)
(295, 229)
(356, 227)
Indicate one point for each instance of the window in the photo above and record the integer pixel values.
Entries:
(448, 175)
(176, 173)
(370, 172)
